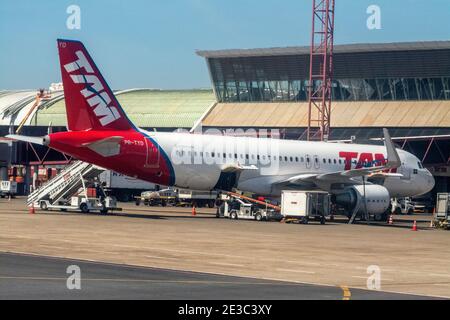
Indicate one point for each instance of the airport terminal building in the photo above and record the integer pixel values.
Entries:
(402, 86)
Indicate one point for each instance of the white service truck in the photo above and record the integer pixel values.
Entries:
(84, 204)
(197, 198)
(123, 187)
(402, 206)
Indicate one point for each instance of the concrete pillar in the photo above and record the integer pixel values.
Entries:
(3, 173)
(28, 180)
(35, 176)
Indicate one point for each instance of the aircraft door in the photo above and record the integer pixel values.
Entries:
(406, 172)
(153, 154)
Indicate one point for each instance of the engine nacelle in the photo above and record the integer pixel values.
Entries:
(377, 198)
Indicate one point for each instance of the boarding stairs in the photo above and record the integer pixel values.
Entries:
(65, 184)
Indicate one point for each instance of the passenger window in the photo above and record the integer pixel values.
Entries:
(415, 171)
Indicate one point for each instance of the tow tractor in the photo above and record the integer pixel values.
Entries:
(402, 206)
(236, 206)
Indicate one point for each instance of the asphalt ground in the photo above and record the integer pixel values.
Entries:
(38, 277)
(333, 255)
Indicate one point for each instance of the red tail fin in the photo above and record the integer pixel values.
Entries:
(90, 103)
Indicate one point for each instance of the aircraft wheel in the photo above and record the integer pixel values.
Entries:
(43, 205)
(84, 208)
(233, 215)
(258, 217)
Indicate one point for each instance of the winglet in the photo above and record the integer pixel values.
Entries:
(393, 159)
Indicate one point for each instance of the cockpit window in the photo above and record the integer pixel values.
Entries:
(419, 164)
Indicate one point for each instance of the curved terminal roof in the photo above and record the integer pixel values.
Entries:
(340, 48)
(149, 108)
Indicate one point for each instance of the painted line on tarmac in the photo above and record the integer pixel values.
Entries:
(439, 275)
(226, 264)
(303, 262)
(295, 270)
(366, 277)
(346, 293)
(159, 257)
(150, 280)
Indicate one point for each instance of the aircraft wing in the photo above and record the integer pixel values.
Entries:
(238, 168)
(346, 176)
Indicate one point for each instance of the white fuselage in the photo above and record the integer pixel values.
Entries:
(199, 160)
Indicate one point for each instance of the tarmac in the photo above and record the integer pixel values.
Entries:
(37, 277)
(293, 261)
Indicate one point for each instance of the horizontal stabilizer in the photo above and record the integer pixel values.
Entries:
(36, 140)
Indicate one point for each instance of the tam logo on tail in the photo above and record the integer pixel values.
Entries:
(94, 91)
(90, 102)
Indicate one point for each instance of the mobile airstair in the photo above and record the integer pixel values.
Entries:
(65, 184)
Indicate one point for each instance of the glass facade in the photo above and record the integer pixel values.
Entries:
(351, 89)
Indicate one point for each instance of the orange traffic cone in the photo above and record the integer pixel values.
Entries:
(414, 227)
(32, 211)
(391, 220)
(193, 210)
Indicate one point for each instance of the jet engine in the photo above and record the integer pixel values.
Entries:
(376, 197)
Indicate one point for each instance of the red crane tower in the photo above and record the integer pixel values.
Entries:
(320, 70)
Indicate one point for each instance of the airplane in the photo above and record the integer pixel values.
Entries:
(99, 132)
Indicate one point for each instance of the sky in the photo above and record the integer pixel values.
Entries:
(152, 43)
